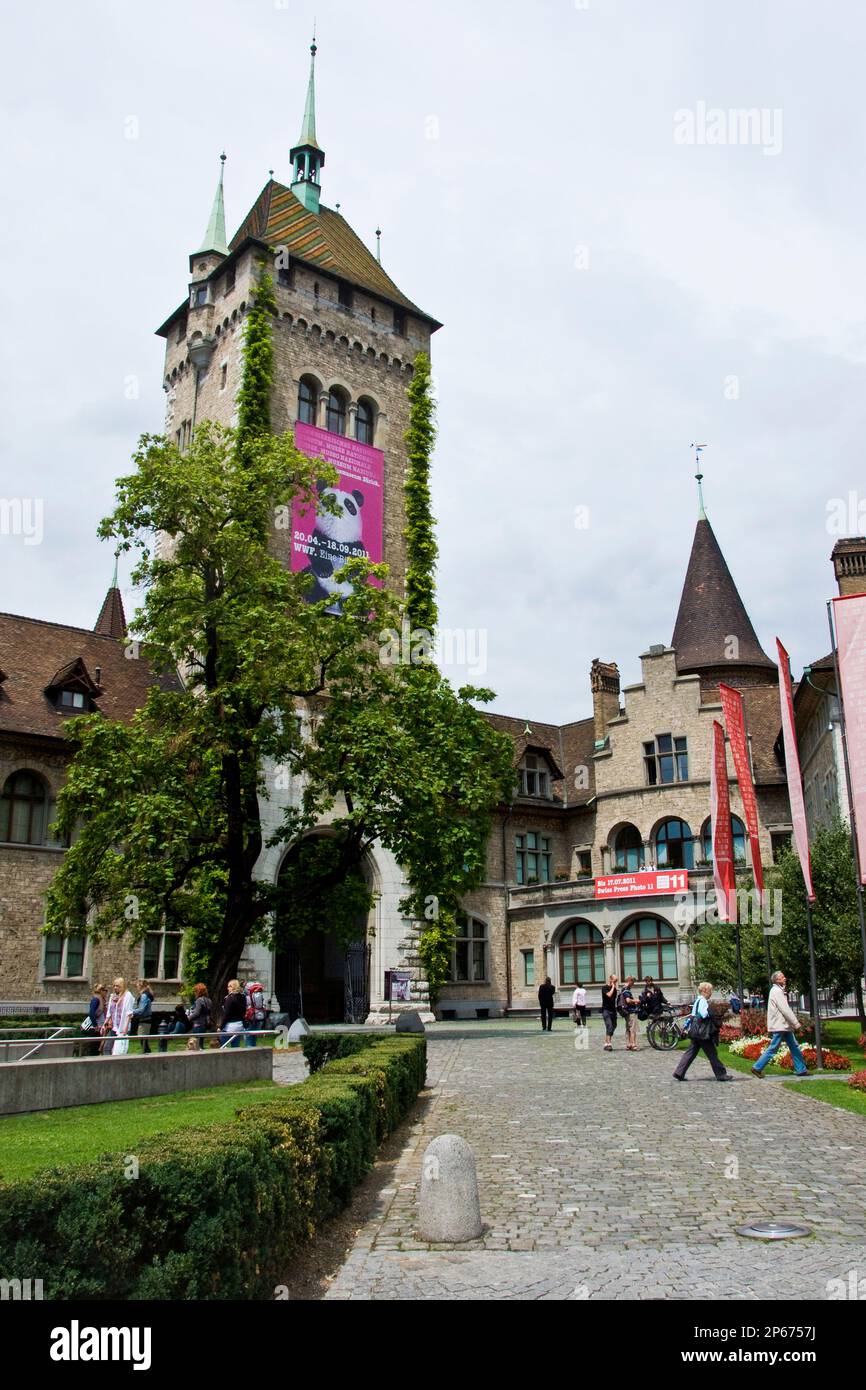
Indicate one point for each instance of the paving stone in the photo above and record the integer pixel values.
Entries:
(655, 1214)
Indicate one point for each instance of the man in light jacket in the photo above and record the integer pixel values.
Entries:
(782, 1024)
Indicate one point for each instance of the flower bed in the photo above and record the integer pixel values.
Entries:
(857, 1079)
(833, 1061)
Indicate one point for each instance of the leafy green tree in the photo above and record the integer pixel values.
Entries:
(835, 924)
(170, 804)
(835, 919)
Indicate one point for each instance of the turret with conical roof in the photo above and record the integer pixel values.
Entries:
(713, 634)
(307, 155)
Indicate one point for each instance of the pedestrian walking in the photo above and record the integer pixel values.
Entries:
(546, 996)
(578, 1004)
(627, 1007)
(609, 994)
(142, 1015)
(703, 1033)
(782, 1024)
(118, 1016)
(232, 1017)
(199, 1015)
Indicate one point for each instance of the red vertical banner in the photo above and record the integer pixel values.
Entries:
(732, 707)
(849, 617)
(724, 874)
(792, 770)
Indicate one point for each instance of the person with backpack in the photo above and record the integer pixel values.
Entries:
(546, 997)
(142, 1015)
(254, 1016)
(199, 1016)
(609, 994)
(627, 1006)
(703, 1031)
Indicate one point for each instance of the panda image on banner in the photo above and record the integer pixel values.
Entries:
(335, 539)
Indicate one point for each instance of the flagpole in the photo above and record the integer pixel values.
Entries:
(739, 957)
(813, 987)
(858, 872)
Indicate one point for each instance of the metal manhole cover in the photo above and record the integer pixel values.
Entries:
(772, 1230)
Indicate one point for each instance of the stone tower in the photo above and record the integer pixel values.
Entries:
(344, 341)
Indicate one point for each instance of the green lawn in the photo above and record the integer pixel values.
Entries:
(832, 1092)
(79, 1134)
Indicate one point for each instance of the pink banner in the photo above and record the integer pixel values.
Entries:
(849, 615)
(649, 883)
(792, 770)
(732, 706)
(724, 874)
(321, 541)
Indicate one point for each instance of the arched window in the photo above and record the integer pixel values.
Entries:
(738, 832)
(24, 809)
(581, 955)
(675, 845)
(336, 414)
(649, 947)
(307, 401)
(628, 855)
(364, 422)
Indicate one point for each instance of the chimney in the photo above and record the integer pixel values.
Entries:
(604, 684)
(849, 565)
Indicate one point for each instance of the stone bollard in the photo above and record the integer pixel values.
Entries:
(449, 1209)
(409, 1022)
(299, 1029)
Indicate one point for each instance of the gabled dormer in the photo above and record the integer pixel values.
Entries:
(72, 690)
(536, 772)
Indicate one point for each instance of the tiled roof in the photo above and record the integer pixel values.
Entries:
(112, 619)
(763, 723)
(322, 239)
(711, 612)
(33, 652)
(570, 746)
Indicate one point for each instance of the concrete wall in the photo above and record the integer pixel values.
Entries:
(93, 1080)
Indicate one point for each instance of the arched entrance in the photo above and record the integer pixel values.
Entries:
(322, 980)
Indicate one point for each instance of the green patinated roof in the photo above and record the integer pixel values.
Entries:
(322, 238)
(215, 236)
(308, 129)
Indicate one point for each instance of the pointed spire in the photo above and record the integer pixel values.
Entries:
(308, 128)
(215, 236)
(112, 619)
(307, 155)
(713, 628)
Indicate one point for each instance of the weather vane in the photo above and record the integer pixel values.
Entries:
(699, 449)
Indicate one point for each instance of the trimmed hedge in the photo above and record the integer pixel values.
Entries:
(319, 1048)
(214, 1213)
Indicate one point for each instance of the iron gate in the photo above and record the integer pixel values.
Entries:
(357, 982)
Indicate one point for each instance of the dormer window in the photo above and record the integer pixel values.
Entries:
(534, 776)
(74, 700)
(72, 690)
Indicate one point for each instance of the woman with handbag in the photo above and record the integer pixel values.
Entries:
(92, 1025)
(702, 1033)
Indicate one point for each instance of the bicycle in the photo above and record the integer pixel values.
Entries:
(667, 1029)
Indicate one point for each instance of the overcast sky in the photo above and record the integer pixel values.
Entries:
(613, 285)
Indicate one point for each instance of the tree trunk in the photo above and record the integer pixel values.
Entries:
(858, 990)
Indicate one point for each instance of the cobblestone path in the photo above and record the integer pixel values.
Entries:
(601, 1177)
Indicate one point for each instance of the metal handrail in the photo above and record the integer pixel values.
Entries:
(93, 1035)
